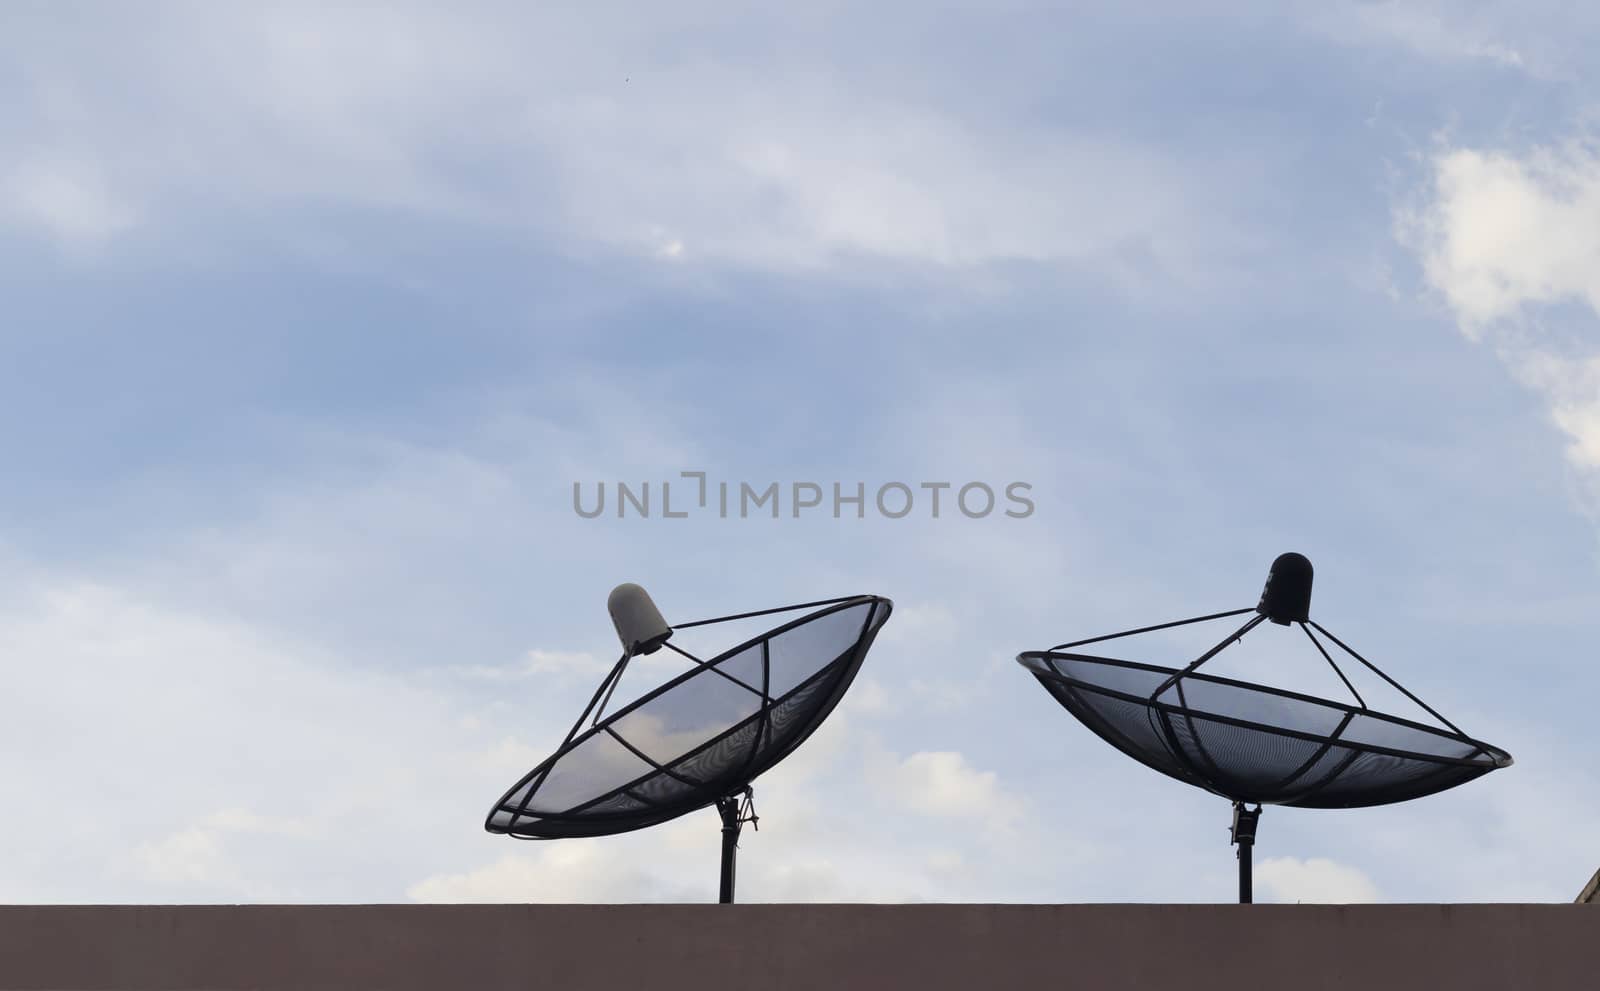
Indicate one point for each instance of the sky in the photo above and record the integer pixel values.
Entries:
(316, 314)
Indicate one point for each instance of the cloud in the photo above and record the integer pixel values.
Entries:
(1572, 389)
(678, 862)
(225, 751)
(1442, 32)
(191, 855)
(944, 695)
(510, 757)
(921, 624)
(1499, 233)
(539, 664)
(944, 784)
(1317, 880)
(67, 202)
(564, 872)
(230, 750)
(829, 179)
(274, 640)
(1507, 240)
(618, 147)
(198, 855)
(868, 697)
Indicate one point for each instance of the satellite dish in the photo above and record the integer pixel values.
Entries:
(700, 738)
(1253, 744)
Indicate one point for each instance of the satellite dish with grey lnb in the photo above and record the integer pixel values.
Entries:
(1257, 745)
(700, 738)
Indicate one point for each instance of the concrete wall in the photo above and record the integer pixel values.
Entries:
(666, 947)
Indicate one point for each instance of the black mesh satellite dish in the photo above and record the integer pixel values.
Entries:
(1257, 745)
(700, 738)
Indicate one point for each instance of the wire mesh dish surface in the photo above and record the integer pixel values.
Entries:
(701, 736)
(1251, 743)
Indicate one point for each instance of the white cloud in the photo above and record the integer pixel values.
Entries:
(920, 624)
(1572, 388)
(1508, 239)
(198, 854)
(510, 757)
(224, 751)
(539, 664)
(1500, 233)
(868, 697)
(944, 695)
(1446, 32)
(1317, 880)
(229, 751)
(68, 202)
(191, 855)
(801, 167)
(237, 820)
(564, 872)
(943, 784)
(679, 863)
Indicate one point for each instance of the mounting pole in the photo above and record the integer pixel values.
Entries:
(735, 810)
(728, 808)
(1243, 834)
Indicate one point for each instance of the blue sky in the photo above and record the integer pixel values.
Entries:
(313, 318)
